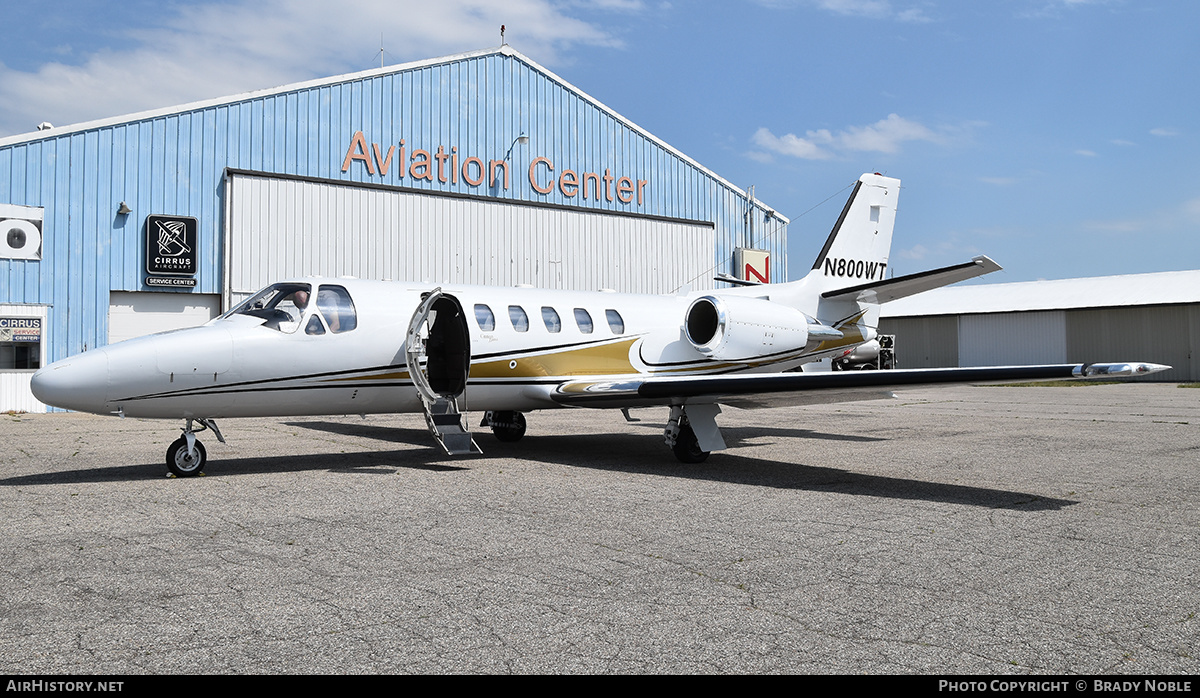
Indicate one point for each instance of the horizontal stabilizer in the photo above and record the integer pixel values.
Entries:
(910, 284)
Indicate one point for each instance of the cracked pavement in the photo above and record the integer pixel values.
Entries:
(957, 530)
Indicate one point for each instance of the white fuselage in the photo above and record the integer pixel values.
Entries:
(240, 366)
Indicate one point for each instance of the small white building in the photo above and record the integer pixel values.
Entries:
(1132, 317)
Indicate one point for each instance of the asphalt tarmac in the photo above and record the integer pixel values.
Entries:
(957, 530)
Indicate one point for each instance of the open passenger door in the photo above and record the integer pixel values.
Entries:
(438, 349)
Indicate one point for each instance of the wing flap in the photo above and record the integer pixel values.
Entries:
(779, 389)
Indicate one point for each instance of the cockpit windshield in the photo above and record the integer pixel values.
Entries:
(280, 305)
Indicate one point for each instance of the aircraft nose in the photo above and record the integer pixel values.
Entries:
(77, 383)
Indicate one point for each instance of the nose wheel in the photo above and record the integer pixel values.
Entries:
(186, 456)
(185, 462)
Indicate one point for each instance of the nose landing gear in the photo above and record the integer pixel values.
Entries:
(186, 456)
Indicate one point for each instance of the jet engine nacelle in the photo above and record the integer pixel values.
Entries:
(732, 328)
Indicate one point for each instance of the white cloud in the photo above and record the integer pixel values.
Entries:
(884, 136)
(1086, 153)
(861, 8)
(623, 5)
(1054, 8)
(1191, 210)
(1164, 132)
(792, 144)
(953, 245)
(871, 9)
(209, 50)
(1184, 216)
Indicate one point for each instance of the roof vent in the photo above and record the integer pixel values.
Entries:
(45, 126)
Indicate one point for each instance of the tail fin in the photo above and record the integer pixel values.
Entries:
(860, 244)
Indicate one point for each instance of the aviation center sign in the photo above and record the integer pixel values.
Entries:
(171, 250)
(451, 166)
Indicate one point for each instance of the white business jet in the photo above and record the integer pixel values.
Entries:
(346, 346)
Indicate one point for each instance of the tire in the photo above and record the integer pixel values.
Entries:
(687, 448)
(182, 465)
(508, 427)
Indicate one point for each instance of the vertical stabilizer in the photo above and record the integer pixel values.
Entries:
(860, 243)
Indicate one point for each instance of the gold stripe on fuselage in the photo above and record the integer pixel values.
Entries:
(851, 334)
(603, 359)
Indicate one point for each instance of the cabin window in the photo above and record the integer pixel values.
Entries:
(520, 321)
(280, 306)
(584, 320)
(337, 309)
(550, 317)
(484, 317)
(615, 323)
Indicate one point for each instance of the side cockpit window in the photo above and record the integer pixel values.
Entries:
(280, 306)
(337, 308)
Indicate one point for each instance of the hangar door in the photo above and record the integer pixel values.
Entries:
(133, 314)
(1012, 339)
(279, 227)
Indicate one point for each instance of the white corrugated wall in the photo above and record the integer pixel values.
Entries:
(285, 228)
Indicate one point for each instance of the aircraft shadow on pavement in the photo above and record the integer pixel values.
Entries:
(646, 453)
(649, 455)
(617, 452)
(372, 462)
(379, 432)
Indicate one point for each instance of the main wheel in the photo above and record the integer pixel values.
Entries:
(687, 448)
(508, 426)
(183, 464)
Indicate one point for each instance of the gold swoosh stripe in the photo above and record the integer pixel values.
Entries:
(605, 359)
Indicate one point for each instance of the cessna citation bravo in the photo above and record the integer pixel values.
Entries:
(345, 346)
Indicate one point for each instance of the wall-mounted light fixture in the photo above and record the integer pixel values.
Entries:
(123, 209)
(522, 139)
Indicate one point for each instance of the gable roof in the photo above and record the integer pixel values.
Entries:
(504, 50)
(1160, 288)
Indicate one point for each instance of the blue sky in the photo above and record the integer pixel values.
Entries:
(1056, 136)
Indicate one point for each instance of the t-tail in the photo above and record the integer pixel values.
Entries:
(851, 273)
(850, 278)
(860, 244)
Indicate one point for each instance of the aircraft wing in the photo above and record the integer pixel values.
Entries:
(790, 389)
(910, 284)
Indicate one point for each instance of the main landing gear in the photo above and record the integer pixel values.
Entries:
(681, 436)
(507, 426)
(687, 447)
(186, 455)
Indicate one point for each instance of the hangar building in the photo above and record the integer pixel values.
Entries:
(482, 167)
(1132, 317)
